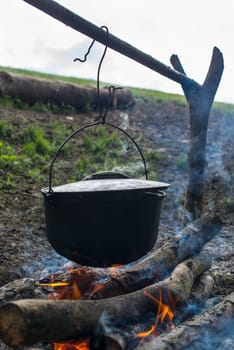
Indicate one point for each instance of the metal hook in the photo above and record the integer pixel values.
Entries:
(100, 116)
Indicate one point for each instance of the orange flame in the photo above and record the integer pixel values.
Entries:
(70, 290)
(145, 334)
(54, 284)
(163, 312)
(99, 286)
(81, 344)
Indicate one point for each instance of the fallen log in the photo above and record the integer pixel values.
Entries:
(213, 320)
(144, 271)
(32, 90)
(26, 322)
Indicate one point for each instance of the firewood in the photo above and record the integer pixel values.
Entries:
(147, 270)
(108, 337)
(202, 288)
(111, 341)
(20, 289)
(215, 319)
(26, 322)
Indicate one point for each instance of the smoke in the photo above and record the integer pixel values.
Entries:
(220, 139)
(218, 339)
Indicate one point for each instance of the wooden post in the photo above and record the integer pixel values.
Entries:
(200, 99)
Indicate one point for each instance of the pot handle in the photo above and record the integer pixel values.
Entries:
(87, 126)
(101, 175)
(158, 194)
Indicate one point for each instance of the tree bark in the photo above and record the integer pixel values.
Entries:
(29, 321)
(202, 288)
(149, 269)
(55, 92)
(20, 289)
(191, 332)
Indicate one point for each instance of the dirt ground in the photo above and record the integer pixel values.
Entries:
(24, 249)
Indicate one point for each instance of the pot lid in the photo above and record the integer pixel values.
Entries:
(109, 185)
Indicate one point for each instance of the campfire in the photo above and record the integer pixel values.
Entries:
(130, 306)
(164, 312)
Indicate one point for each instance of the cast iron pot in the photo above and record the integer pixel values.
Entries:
(105, 219)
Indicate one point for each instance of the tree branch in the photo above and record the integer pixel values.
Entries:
(176, 64)
(214, 74)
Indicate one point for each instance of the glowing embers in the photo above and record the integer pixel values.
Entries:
(80, 344)
(78, 284)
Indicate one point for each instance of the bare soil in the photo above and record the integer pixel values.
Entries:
(24, 249)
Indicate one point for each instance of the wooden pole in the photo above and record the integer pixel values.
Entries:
(83, 26)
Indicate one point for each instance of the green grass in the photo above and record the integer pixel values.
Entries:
(26, 151)
(156, 96)
(224, 107)
(85, 82)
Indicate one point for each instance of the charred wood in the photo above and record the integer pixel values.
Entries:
(214, 319)
(109, 341)
(126, 337)
(26, 322)
(20, 289)
(149, 269)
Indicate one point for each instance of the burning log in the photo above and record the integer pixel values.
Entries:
(32, 90)
(112, 338)
(149, 269)
(214, 319)
(111, 341)
(29, 321)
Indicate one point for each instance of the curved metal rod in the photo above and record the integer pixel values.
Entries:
(82, 60)
(99, 67)
(60, 148)
(87, 126)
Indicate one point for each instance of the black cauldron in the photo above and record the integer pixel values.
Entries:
(105, 219)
